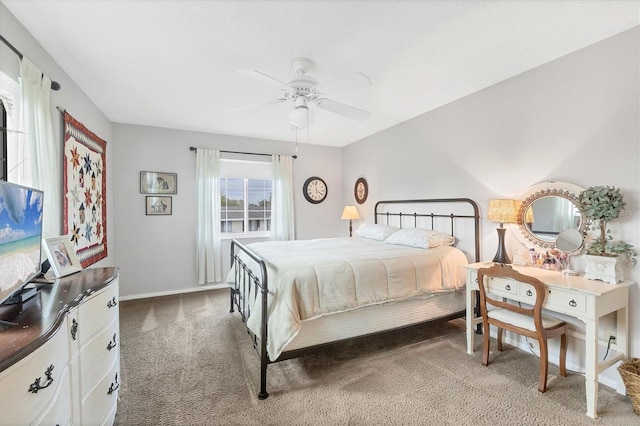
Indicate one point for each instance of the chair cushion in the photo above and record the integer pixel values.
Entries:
(521, 320)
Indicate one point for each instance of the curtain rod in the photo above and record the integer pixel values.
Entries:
(194, 149)
(54, 84)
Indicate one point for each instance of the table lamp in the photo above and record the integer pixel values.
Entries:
(350, 213)
(502, 211)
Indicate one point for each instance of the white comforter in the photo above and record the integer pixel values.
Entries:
(311, 278)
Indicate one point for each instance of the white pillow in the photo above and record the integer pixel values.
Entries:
(375, 231)
(421, 238)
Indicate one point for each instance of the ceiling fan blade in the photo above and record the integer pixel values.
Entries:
(345, 84)
(256, 105)
(257, 75)
(343, 109)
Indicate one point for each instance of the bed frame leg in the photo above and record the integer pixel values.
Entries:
(263, 376)
(264, 357)
(231, 300)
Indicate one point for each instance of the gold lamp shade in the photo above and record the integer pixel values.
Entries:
(502, 211)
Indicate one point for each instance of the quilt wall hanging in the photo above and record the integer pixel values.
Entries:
(85, 189)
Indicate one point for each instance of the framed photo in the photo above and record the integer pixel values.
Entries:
(159, 206)
(158, 183)
(62, 256)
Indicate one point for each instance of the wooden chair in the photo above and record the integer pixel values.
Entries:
(522, 320)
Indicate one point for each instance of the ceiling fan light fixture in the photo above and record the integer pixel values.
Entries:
(299, 117)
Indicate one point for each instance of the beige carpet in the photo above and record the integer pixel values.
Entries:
(187, 361)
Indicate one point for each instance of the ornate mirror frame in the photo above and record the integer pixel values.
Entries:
(565, 190)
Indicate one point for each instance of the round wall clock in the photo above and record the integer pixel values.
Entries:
(361, 190)
(314, 190)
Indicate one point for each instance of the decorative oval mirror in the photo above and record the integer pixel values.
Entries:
(547, 209)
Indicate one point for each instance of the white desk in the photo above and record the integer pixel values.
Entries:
(577, 297)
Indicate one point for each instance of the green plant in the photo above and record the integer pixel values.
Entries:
(599, 205)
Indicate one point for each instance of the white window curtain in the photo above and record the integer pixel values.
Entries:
(41, 148)
(282, 218)
(209, 248)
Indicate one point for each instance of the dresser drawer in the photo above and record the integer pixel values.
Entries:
(59, 410)
(23, 398)
(98, 311)
(98, 355)
(111, 417)
(99, 403)
(566, 302)
(72, 331)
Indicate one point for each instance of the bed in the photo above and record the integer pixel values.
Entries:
(403, 270)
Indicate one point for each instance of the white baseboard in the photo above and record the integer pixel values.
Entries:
(173, 292)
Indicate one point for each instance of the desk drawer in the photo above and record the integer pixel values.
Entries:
(527, 293)
(566, 302)
(503, 287)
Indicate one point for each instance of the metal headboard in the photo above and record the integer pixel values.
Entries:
(467, 209)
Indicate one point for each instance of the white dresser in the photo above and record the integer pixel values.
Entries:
(61, 364)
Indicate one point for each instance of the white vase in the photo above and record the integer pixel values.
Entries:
(604, 268)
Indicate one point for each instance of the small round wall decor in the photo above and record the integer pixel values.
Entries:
(361, 190)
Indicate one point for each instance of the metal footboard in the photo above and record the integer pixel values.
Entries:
(249, 284)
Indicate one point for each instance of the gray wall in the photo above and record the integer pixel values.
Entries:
(158, 252)
(575, 119)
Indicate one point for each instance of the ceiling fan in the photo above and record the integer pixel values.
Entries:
(302, 90)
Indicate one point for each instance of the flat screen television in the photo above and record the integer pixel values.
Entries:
(20, 237)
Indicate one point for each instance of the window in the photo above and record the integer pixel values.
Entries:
(245, 198)
(245, 205)
(16, 156)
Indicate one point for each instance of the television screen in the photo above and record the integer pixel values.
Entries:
(20, 236)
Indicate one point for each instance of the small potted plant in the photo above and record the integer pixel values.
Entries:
(599, 205)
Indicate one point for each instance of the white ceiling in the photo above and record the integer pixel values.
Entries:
(173, 63)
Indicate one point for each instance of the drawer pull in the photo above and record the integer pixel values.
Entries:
(35, 386)
(572, 303)
(74, 329)
(114, 386)
(112, 344)
(507, 287)
(112, 303)
(529, 293)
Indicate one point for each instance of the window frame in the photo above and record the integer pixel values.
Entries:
(246, 234)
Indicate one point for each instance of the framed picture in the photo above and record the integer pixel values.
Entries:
(158, 206)
(158, 183)
(62, 256)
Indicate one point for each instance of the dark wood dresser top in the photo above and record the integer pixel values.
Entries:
(39, 317)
